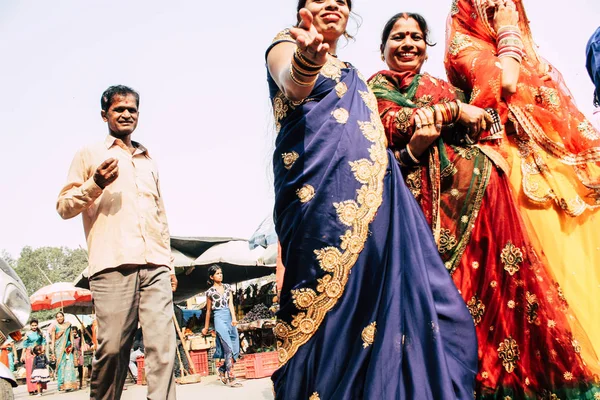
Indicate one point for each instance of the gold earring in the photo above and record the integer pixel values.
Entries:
(382, 58)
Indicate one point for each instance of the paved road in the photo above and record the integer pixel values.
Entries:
(209, 388)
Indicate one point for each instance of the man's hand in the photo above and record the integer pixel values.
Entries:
(107, 172)
(174, 283)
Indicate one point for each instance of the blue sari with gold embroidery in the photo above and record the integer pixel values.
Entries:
(368, 310)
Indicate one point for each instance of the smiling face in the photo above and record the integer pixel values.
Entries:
(122, 115)
(60, 318)
(330, 17)
(405, 48)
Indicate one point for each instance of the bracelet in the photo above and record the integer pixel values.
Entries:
(508, 28)
(510, 44)
(304, 69)
(468, 140)
(299, 82)
(305, 61)
(460, 108)
(412, 156)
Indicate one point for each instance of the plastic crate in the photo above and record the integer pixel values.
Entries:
(261, 365)
(141, 373)
(239, 368)
(200, 360)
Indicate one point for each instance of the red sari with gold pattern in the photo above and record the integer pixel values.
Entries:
(527, 349)
(551, 149)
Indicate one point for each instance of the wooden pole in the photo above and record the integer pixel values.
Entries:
(187, 354)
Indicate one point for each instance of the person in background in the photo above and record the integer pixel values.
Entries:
(78, 343)
(33, 338)
(40, 374)
(219, 301)
(180, 320)
(114, 184)
(593, 67)
(61, 349)
(137, 350)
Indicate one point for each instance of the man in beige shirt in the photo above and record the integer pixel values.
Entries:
(114, 185)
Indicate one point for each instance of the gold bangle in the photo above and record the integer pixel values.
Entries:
(299, 82)
(302, 71)
(305, 61)
(411, 155)
(459, 103)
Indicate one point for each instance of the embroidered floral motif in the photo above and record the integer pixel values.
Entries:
(508, 352)
(332, 69)
(303, 298)
(289, 159)
(341, 115)
(368, 334)
(454, 9)
(587, 130)
(511, 257)
(306, 193)
(460, 41)
(341, 89)
(280, 109)
(576, 346)
(347, 211)
(338, 262)
(568, 376)
(402, 120)
(447, 241)
(284, 35)
(548, 97)
(364, 170)
(424, 100)
(477, 309)
(466, 153)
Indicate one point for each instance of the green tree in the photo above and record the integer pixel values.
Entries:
(44, 265)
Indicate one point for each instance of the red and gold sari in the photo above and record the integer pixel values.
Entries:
(527, 349)
(552, 150)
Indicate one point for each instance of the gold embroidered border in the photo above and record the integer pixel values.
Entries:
(557, 150)
(466, 236)
(337, 262)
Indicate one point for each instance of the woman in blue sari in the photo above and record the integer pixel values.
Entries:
(62, 346)
(368, 310)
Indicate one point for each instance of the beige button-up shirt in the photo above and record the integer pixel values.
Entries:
(125, 223)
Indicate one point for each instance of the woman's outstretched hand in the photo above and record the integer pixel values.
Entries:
(309, 40)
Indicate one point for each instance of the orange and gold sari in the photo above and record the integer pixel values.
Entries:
(552, 150)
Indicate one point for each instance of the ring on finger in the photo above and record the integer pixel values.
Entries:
(418, 126)
(438, 126)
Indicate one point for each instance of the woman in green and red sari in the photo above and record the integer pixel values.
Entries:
(450, 162)
(62, 346)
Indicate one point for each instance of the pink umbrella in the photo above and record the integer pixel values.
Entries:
(60, 295)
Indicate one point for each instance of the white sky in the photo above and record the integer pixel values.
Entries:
(205, 114)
